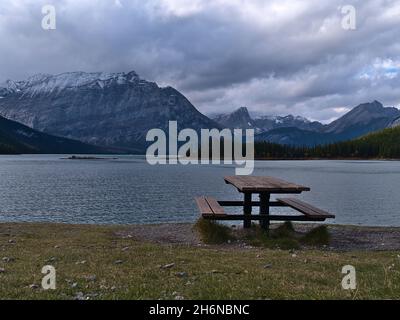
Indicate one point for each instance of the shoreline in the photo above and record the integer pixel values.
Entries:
(346, 238)
(255, 159)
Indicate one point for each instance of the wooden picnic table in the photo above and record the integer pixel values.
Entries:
(264, 187)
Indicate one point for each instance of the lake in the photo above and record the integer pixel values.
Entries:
(129, 191)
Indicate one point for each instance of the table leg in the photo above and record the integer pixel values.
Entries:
(247, 210)
(264, 209)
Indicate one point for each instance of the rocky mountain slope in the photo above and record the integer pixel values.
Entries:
(395, 123)
(241, 119)
(104, 109)
(298, 131)
(365, 118)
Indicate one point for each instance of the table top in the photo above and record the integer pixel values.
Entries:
(251, 184)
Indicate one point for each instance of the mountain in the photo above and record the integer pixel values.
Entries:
(17, 138)
(296, 137)
(395, 123)
(299, 131)
(105, 109)
(241, 119)
(383, 144)
(267, 123)
(363, 119)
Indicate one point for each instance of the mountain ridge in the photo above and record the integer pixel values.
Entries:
(298, 131)
(104, 109)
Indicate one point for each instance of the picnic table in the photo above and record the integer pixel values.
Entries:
(264, 187)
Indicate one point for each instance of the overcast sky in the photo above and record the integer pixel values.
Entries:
(273, 56)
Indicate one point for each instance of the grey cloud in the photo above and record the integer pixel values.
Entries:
(275, 57)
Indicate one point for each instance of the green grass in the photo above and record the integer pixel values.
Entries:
(214, 272)
(317, 237)
(283, 237)
(212, 232)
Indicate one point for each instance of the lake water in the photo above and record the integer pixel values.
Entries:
(128, 190)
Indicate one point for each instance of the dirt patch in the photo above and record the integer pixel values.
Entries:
(343, 238)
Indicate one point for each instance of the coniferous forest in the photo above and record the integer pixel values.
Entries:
(379, 145)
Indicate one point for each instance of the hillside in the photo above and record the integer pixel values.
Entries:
(379, 145)
(105, 109)
(16, 138)
(298, 131)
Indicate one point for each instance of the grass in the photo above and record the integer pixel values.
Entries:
(317, 237)
(212, 232)
(93, 262)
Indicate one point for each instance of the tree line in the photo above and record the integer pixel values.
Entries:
(380, 145)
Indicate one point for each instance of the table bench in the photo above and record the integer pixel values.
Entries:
(211, 209)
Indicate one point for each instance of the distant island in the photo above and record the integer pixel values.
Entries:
(87, 158)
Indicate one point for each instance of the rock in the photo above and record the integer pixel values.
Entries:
(2, 270)
(11, 241)
(34, 286)
(294, 255)
(268, 266)
(52, 259)
(125, 249)
(81, 262)
(168, 266)
(181, 274)
(74, 285)
(79, 296)
(118, 262)
(8, 259)
(179, 298)
(91, 278)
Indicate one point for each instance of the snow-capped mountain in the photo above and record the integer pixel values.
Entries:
(241, 119)
(107, 109)
(48, 84)
(299, 131)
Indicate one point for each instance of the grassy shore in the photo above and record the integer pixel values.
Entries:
(96, 262)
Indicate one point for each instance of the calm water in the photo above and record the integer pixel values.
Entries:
(128, 190)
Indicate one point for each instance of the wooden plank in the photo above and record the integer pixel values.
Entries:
(215, 206)
(264, 184)
(247, 208)
(204, 206)
(257, 217)
(305, 208)
(253, 204)
(264, 209)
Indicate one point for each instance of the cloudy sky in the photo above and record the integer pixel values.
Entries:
(273, 56)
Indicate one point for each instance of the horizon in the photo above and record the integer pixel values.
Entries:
(203, 50)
